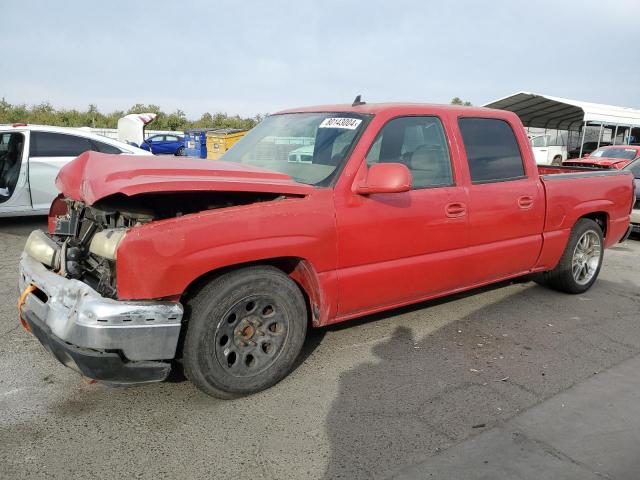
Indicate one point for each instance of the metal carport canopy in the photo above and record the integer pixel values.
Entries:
(544, 111)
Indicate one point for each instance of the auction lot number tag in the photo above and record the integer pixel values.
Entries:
(346, 123)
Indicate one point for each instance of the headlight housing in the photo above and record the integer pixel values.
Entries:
(43, 249)
(105, 243)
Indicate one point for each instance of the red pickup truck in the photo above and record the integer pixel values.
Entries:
(317, 216)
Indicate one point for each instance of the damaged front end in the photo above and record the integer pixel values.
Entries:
(68, 276)
(69, 301)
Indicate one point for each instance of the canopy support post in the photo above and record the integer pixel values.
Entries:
(600, 134)
(584, 131)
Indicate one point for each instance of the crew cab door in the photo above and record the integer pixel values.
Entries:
(506, 200)
(397, 247)
(49, 152)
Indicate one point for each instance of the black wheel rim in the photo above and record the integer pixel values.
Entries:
(251, 335)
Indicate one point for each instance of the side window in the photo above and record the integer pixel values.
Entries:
(105, 148)
(419, 143)
(47, 144)
(171, 138)
(492, 150)
(157, 138)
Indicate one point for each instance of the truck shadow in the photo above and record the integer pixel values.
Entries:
(419, 396)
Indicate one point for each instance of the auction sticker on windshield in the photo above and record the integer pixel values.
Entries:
(348, 123)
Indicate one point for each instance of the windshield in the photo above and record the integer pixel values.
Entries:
(624, 153)
(307, 146)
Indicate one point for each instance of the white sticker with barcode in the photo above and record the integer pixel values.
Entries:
(347, 123)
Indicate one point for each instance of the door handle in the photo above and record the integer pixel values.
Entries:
(525, 202)
(455, 210)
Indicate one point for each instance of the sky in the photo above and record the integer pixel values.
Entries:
(248, 57)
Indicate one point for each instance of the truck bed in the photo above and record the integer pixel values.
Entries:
(573, 192)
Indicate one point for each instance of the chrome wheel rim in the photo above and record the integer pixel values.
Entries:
(586, 257)
(251, 335)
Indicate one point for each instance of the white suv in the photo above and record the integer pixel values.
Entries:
(32, 155)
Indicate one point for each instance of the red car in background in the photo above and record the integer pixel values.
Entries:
(614, 156)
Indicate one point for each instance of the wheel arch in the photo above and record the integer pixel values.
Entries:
(299, 269)
(601, 218)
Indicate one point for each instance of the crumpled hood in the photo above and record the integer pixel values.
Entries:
(93, 176)
(607, 162)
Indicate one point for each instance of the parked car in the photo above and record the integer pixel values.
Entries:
(30, 157)
(546, 150)
(164, 144)
(587, 148)
(617, 156)
(634, 168)
(224, 265)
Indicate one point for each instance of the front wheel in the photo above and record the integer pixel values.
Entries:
(557, 161)
(244, 332)
(180, 152)
(581, 261)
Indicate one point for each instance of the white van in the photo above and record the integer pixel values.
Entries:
(32, 155)
(549, 149)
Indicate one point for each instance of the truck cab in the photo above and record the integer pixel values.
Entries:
(549, 149)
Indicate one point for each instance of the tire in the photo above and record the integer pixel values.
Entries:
(557, 161)
(180, 152)
(578, 269)
(244, 332)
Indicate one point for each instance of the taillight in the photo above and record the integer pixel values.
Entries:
(58, 208)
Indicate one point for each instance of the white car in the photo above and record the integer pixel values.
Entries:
(548, 149)
(32, 155)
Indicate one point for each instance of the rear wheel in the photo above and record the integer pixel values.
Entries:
(581, 261)
(557, 161)
(245, 331)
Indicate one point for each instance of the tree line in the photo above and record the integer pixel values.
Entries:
(46, 114)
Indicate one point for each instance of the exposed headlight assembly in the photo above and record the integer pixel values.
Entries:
(43, 249)
(105, 243)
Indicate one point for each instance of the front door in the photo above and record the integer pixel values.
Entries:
(398, 247)
(14, 185)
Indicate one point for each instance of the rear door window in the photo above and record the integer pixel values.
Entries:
(492, 150)
(49, 144)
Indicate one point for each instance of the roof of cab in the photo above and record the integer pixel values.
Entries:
(376, 108)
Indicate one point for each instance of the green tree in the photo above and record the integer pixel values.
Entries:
(45, 114)
(459, 101)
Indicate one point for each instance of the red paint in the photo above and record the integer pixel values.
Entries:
(604, 162)
(356, 253)
(94, 176)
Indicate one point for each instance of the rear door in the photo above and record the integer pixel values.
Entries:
(397, 247)
(49, 152)
(506, 200)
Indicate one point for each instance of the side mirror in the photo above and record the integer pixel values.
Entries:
(385, 178)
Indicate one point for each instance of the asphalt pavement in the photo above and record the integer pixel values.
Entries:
(515, 375)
